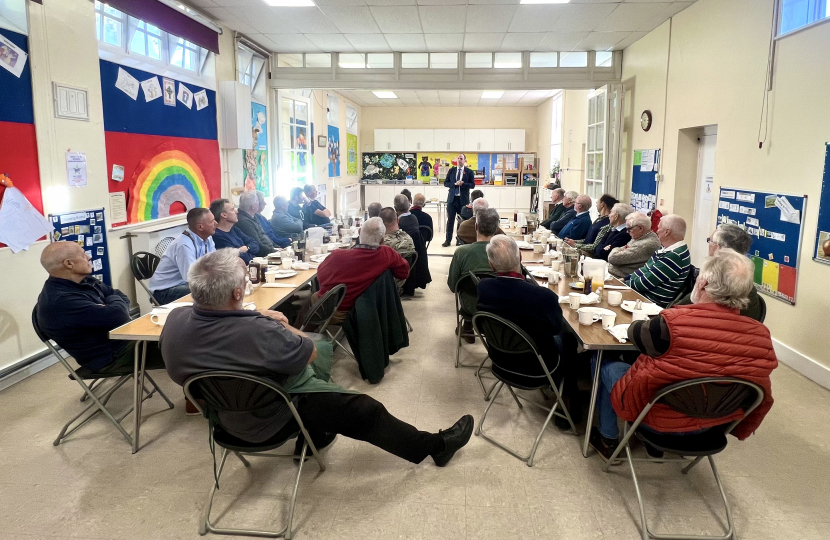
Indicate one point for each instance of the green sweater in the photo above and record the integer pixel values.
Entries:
(663, 276)
(468, 257)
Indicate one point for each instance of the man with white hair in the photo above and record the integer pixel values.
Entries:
(359, 267)
(467, 230)
(709, 338)
(247, 223)
(557, 198)
(568, 201)
(284, 224)
(217, 334)
(578, 227)
(644, 242)
(663, 276)
(417, 209)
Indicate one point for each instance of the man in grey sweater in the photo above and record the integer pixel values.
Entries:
(632, 256)
(283, 223)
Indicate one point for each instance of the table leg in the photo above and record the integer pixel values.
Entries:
(592, 404)
(138, 390)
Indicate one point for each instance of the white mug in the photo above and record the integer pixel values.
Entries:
(608, 320)
(159, 316)
(614, 298)
(553, 277)
(639, 315)
(287, 262)
(528, 238)
(316, 250)
(574, 299)
(586, 317)
(270, 277)
(546, 259)
(555, 265)
(538, 248)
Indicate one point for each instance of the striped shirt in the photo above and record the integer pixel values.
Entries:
(664, 274)
(600, 235)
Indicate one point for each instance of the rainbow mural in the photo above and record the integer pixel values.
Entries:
(168, 180)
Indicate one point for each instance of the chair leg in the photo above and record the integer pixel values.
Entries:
(162, 394)
(335, 343)
(644, 532)
(85, 397)
(691, 465)
(481, 383)
(512, 393)
(242, 459)
(499, 386)
(457, 341)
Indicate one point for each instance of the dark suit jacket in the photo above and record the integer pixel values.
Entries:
(555, 214)
(614, 239)
(423, 217)
(469, 183)
(420, 276)
(567, 215)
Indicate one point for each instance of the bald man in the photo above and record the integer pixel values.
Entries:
(664, 274)
(578, 227)
(78, 311)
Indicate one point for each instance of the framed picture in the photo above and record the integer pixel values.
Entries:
(322, 141)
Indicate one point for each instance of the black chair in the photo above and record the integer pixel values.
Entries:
(143, 266)
(232, 392)
(707, 397)
(506, 345)
(98, 401)
(688, 286)
(466, 300)
(426, 234)
(323, 310)
(412, 259)
(458, 221)
(763, 309)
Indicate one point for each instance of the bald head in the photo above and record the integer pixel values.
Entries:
(389, 218)
(419, 200)
(66, 260)
(480, 204)
(583, 203)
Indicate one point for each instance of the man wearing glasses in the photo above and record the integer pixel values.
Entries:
(629, 258)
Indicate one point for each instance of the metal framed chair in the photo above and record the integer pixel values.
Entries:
(426, 234)
(99, 400)
(229, 391)
(466, 299)
(503, 340)
(323, 310)
(707, 397)
(143, 266)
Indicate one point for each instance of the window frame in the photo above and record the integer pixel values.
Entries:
(779, 20)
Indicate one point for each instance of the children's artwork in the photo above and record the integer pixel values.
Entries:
(12, 58)
(334, 151)
(424, 168)
(201, 100)
(822, 253)
(118, 173)
(76, 169)
(388, 166)
(152, 89)
(443, 159)
(169, 90)
(21, 224)
(256, 159)
(127, 83)
(185, 96)
(351, 154)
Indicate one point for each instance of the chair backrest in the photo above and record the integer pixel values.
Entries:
(232, 391)
(163, 244)
(711, 397)
(763, 304)
(324, 309)
(411, 258)
(687, 287)
(426, 233)
(41, 335)
(459, 219)
(466, 291)
(504, 340)
(143, 265)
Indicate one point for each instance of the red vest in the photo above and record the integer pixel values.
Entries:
(706, 340)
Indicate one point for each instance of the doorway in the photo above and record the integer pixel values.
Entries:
(705, 185)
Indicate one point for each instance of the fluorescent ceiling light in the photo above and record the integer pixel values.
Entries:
(544, 1)
(290, 3)
(492, 94)
(385, 95)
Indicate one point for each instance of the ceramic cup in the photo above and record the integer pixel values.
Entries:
(639, 315)
(614, 298)
(316, 250)
(608, 320)
(546, 259)
(159, 316)
(574, 299)
(528, 238)
(287, 262)
(586, 317)
(538, 248)
(554, 277)
(555, 265)
(270, 277)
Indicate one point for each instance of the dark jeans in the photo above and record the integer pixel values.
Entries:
(165, 296)
(453, 208)
(363, 418)
(124, 361)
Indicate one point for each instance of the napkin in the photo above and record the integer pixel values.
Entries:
(617, 287)
(590, 299)
(279, 285)
(618, 333)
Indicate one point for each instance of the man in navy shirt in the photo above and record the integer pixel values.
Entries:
(77, 311)
(227, 234)
(578, 227)
(316, 214)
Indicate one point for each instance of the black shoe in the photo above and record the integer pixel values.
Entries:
(653, 452)
(605, 447)
(454, 439)
(325, 443)
(468, 336)
(446, 244)
(562, 423)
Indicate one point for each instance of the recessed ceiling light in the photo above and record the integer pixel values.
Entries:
(544, 1)
(492, 94)
(385, 95)
(290, 3)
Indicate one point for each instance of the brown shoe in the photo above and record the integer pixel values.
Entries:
(190, 409)
(604, 447)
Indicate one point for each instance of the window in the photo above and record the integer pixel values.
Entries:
(595, 166)
(290, 60)
(544, 59)
(799, 13)
(603, 59)
(109, 24)
(185, 55)
(351, 119)
(146, 40)
(556, 132)
(352, 61)
(294, 139)
(414, 60)
(380, 60)
(318, 60)
(478, 60)
(508, 60)
(573, 59)
(443, 60)
(333, 112)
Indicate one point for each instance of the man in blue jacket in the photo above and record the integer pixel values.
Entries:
(227, 234)
(569, 202)
(578, 227)
(459, 180)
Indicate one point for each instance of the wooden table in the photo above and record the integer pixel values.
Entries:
(142, 330)
(590, 337)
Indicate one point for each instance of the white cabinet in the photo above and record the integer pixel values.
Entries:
(449, 140)
(479, 140)
(434, 192)
(371, 193)
(389, 139)
(507, 197)
(418, 140)
(509, 140)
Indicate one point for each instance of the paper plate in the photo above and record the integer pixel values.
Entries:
(524, 245)
(282, 274)
(649, 308)
(541, 273)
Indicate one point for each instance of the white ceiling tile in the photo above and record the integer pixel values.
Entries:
(632, 38)
(397, 19)
(236, 3)
(203, 3)
(558, 41)
(441, 2)
(352, 19)
(521, 42)
(427, 95)
(368, 42)
(227, 18)
(483, 42)
(331, 42)
(583, 17)
(489, 18)
(444, 42)
(492, 2)
(340, 2)
(438, 19)
(449, 96)
(390, 2)
(536, 18)
(406, 42)
(290, 43)
(631, 17)
(308, 20)
(514, 94)
(601, 41)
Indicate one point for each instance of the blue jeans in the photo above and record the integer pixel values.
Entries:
(610, 372)
(165, 296)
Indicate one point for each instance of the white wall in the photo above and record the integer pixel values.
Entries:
(574, 135)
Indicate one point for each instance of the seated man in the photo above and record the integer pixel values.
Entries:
(467, 210)
(279, 241)
(473, 257)
(395, 238)
(316, 214)
(420, 276)
(569, 212)
(467, 230)
(557, 198)
(374, 209)
(578, 227)
(169, 282)
(707, 339)
(227, 235)
(417, 210)
(644, 242)
(733, 237)
(359, 267)
(295, 208)
(600, 227)
(217, 334)
(617, 235)
(248, 207)
(284, 224)
(663, 276)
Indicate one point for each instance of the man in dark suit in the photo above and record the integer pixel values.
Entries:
(557, 198)
(459, 180)
(568, 214)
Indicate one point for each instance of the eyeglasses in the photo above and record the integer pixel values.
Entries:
(708, 240)
(632, 228)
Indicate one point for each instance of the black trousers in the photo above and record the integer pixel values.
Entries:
(124, 361)
(363, 418)
(453, 208)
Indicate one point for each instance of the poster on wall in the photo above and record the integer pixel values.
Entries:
(644, 180)
(822, 253)
(89, 230)
(12, 58)
(351, 154)
(388, 166)
(256, 159)
(334, 151)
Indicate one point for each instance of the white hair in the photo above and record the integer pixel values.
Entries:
(729, 235)
(572, 195)
(638, 218)
(728, 276)
(401, 203)
(503, 254)
(372, 232)
(676, 224)
(213, 277)
(479, 204)
(622, 210)
(247, 200)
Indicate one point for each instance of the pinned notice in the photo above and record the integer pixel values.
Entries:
(745, 197)
(788, 212)
(118, 207)
(12, 58)
(152, 89)
(727, 194)
(127, 83)
(185, 96)
(647, 163)
(201, 100)
(21, 224)
(723, 204)
(76, 169)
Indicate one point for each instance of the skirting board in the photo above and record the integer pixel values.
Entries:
(808, 367)
(29, 369)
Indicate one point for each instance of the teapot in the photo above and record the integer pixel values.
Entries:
(595, 268)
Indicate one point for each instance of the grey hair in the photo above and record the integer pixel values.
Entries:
(247, 200)
(622, 210)
(401, 203)
(572, 195)
(503, 254)
(213, 277)
(728, 276)
(560, 191)
(584, 201)
(280, 203)
(676, 224)
(638, 218)
(372, 232)
(728, 235)
(479, 205)
(487, 221)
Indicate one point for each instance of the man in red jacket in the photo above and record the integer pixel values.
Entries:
(706, 339)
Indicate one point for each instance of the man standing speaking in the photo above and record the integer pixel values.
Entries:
(459, 180)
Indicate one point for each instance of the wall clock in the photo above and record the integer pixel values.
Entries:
(645, 120)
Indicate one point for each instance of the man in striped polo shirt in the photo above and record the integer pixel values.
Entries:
(664, 274)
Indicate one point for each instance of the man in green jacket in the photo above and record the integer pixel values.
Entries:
(664, 275)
